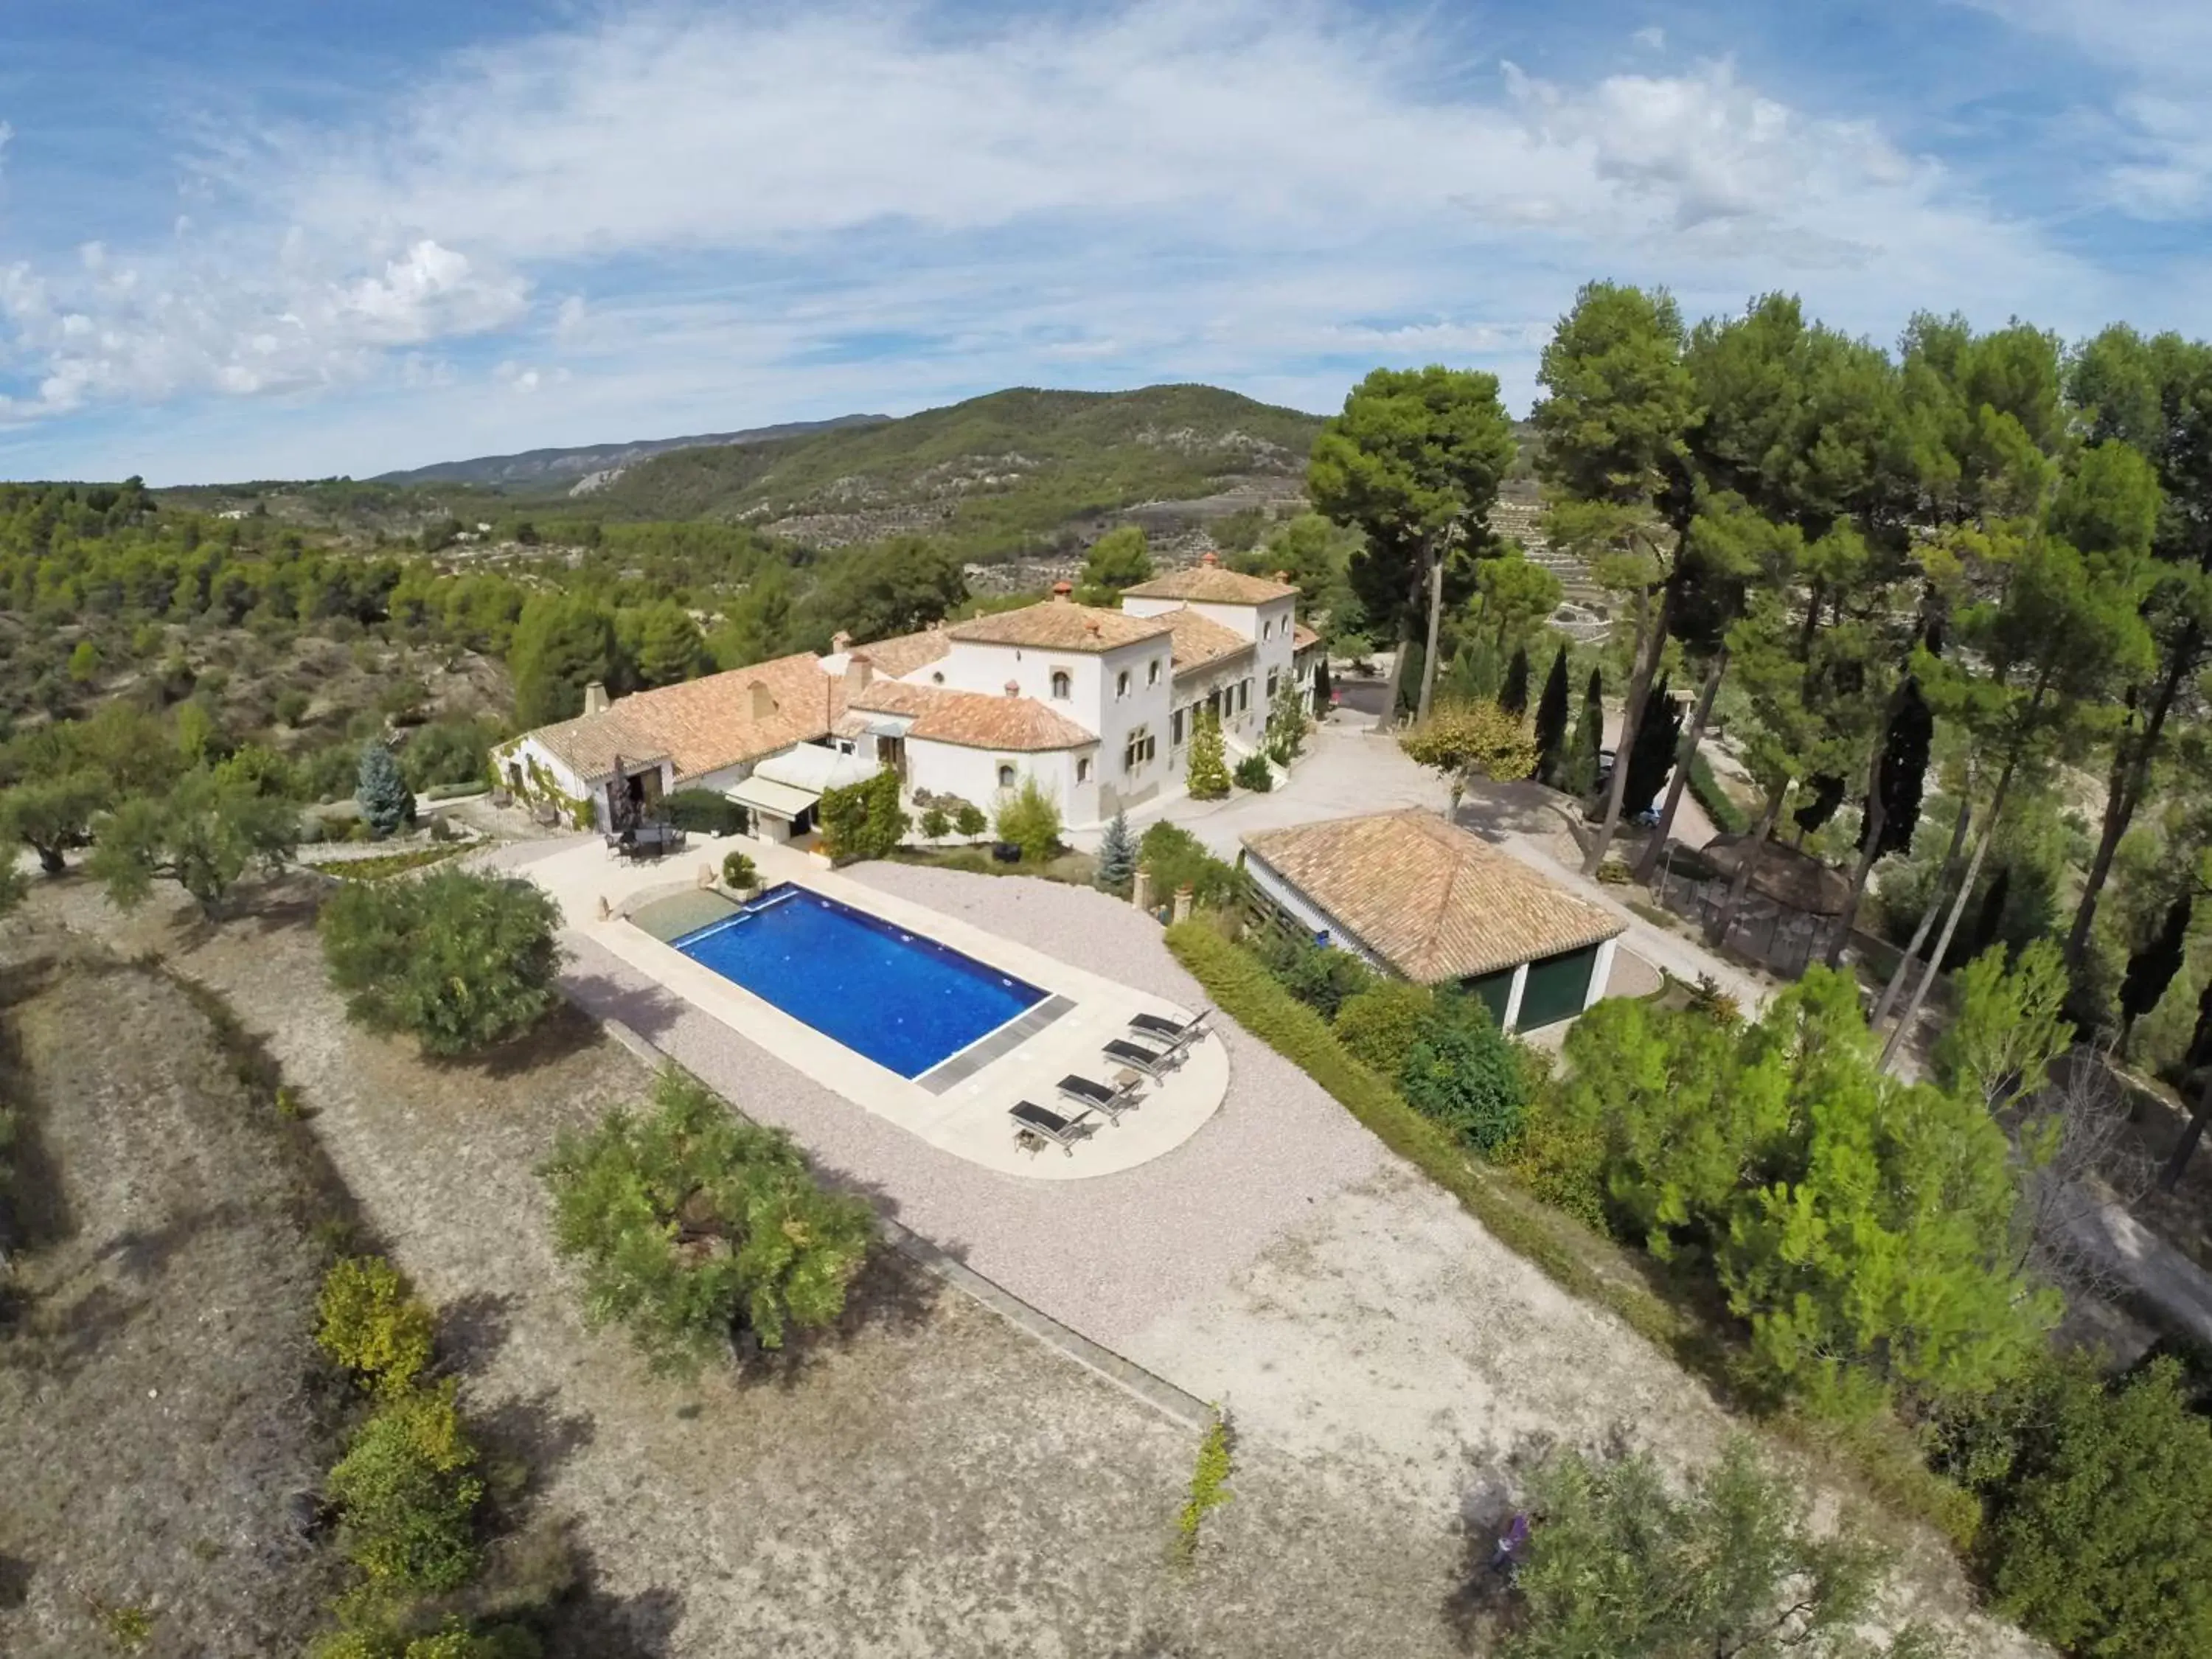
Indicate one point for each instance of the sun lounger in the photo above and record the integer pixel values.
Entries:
(1097, 1096)
(1176, 1034)
(1034, 1126)
(1150, 1061)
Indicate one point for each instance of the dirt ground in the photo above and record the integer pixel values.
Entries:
(928, 1483)
(164, 1421)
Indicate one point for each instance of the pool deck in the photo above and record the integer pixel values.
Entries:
(965, 1113)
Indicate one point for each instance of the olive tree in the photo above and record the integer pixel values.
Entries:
(459, 961)
(204, 835)
(694, 1227)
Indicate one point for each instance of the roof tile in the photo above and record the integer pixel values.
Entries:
(1059, 625)
(973, 720)
(1434, 902)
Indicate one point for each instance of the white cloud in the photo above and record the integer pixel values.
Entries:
(1653, 39)
(2152, 143)
(792, 210)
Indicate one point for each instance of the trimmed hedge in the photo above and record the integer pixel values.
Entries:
(702, 812)
(1720, 807)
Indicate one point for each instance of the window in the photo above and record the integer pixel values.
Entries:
(1138, 750)
(1062, 686)
(1122, 683)
(1273, 676)
(1174, 728)
(1083, 770)
(1267, 629)
(1243, 696)
(1153, 673)
(1006, 775)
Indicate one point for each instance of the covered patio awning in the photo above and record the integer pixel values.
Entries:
(778, 800)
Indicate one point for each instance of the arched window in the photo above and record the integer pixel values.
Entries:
(1006, 776)
(1062, 686)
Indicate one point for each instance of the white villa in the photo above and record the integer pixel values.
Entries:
(1098, 705)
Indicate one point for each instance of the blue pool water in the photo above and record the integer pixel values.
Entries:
(905, 1001)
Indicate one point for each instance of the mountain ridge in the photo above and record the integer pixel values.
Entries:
(541, 468)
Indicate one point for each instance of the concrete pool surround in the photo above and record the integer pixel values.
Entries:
(961, 1103)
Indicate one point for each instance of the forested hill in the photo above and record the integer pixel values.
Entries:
(1014, 471)
(563, 469)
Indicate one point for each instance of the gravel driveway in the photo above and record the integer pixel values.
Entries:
(1107, 1257)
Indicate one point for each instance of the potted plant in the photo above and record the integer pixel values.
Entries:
(739, 874)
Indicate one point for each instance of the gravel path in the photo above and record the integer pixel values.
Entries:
(1107, 1257)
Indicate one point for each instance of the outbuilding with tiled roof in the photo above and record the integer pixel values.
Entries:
(1422, 898)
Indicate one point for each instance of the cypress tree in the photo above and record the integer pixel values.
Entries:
(384, 799)
(1904, 771)
(1579, 770)
(1320, 686)
(1513, 697)
(1552, 718)
(1651, 755)
(1207, 776)
(1117, 855)
(1988, 919)
(1827, 795)
(2152, 969)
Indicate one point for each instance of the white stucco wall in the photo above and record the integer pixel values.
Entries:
(950, 769)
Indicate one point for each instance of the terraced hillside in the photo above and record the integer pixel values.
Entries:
(1015, 471)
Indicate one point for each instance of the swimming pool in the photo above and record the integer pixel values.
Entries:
(905, 1001)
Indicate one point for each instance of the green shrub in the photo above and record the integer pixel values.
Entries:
(1209, 1485)
(1319, 975)
(703, 812)
(692, 1225)
(968, 819)
(1176, 859)
(407, 1492)
(1117, 856)
(738, 872)
(447, 753)
(1561, 1161)
(2100, 1540)
(1207, 776)
(370, 1321)
(1029, 818)
(387, 802)
(1252, 774)
(936, 823)
(460, 962)
(292, 706)
(1381, 1024)
(1465, 1075)
(863, 820)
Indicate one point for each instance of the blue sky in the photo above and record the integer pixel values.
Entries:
(286, 238)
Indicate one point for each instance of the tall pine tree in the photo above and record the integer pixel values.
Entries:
(1117, 855)
(1552, 719)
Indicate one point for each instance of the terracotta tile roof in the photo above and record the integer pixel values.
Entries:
(1209, 584)
(704, 724)
(1434, 902)
(973, 720)
(899, 656)
(1059, 625)
(1301, 637)
(1200, 640)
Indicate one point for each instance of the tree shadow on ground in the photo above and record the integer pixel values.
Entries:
(566, 1031)
(594, 1623)
(472, 1328)
(530, 1436)
(142, 1252)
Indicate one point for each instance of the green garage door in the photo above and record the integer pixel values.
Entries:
(1558, 987)
(1493, 990)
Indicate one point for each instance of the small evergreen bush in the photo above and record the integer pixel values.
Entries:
(407, 1491)
(702, 812)
(387, 802)
(371, 1323)
(738, 872)
(1207, 778)
(1117, 855)
(1252, 774)
(1029, 818)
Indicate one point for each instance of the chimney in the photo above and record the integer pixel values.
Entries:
(1091, 627)
(1209, 558)
(1060, 591)
(1013, 687)
(763, 701)
(860, 669)
(840, 643)
(1284, 577)
(596, 701)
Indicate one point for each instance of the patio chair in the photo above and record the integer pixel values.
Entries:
(1098, 1097)
(1034, 1126)
(1150, 1061)
(1174, 1033)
